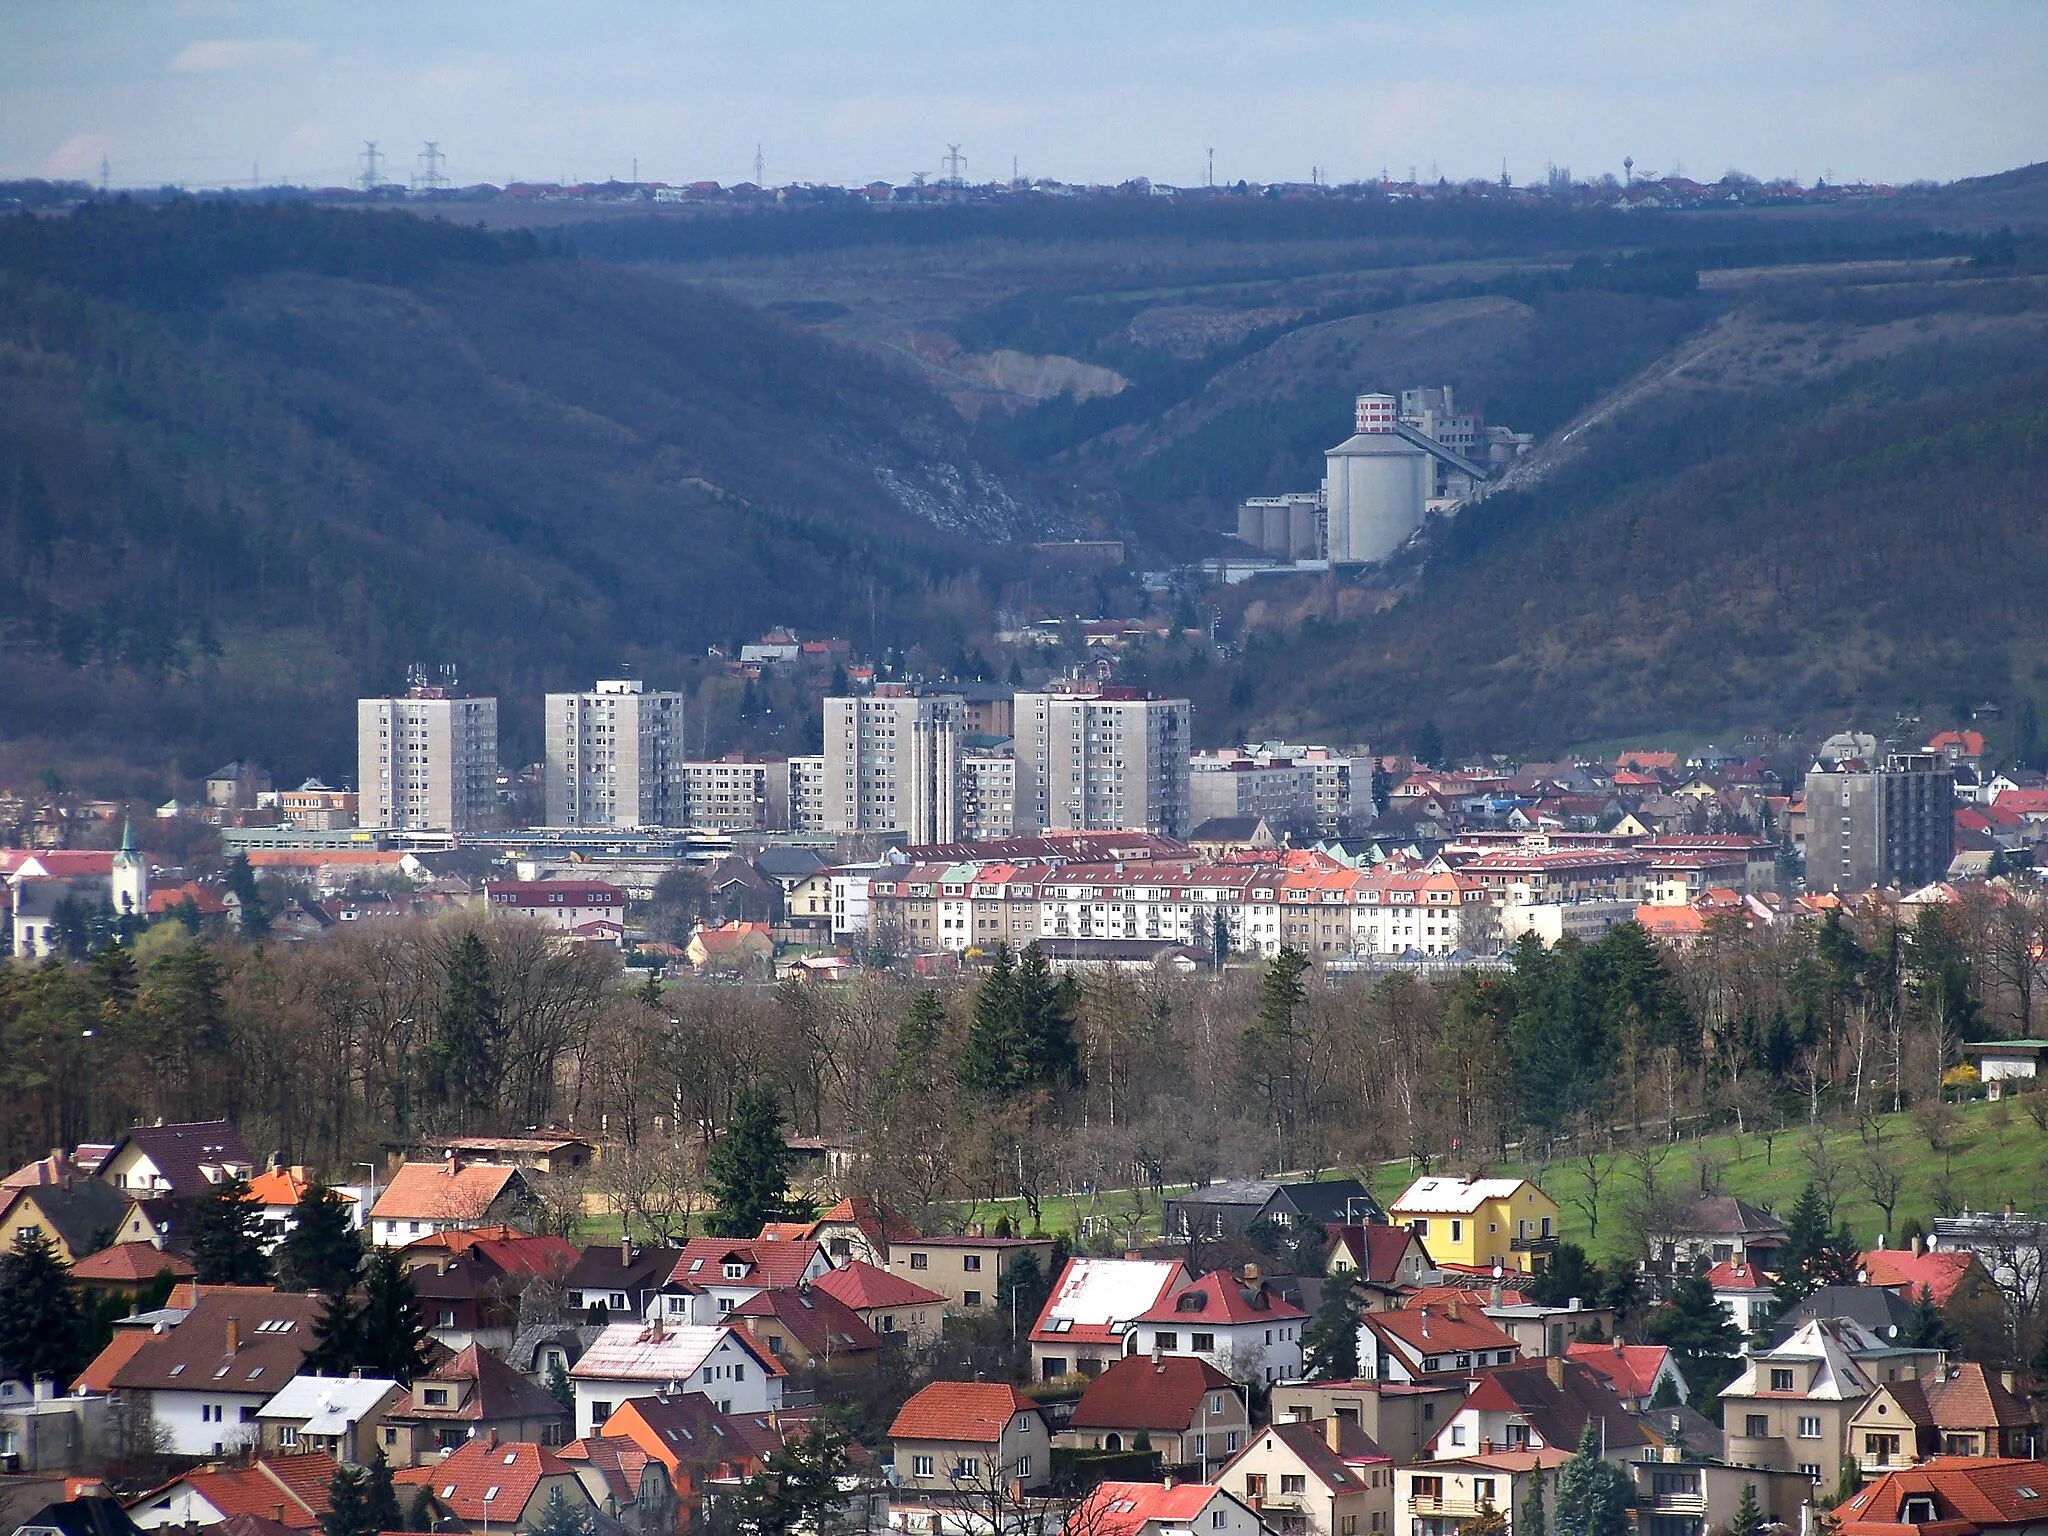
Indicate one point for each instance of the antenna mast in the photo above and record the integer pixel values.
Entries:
(371, 179)
(1209, 176)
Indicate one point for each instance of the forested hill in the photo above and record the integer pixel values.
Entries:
(253, 459)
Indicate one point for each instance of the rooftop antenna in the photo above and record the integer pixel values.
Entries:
(430, 175)
(1013, 182)
(371, 179)
(636, 170)
(760, 168)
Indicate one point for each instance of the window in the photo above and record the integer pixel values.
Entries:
(917, 1261)
(1809, 1427)
(739, 1372)
(1350, 1527)
(1293, 1482)
(920, 1466)
(1781, 1379)
(1457, 1434)
(435, 1397)
(447, 1317)
(1756, 1426)
(1166, 1341)
(971, 1262)
(599, 1412)
(1918, 1511)
(967, 1466)
(1482, 1490)
(1218, 1519)
(287, 1434)
(1023, 1466)
(1254, 1486)
(970, 1298)
(1230, 1442)
(1457, 1231)
(1811, 1471)
(1202, 1343)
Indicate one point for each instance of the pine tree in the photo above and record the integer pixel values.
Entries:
(1021, 1038)
(1592, 1496)
(1927, 1325)
(419, 1512)
(465, 1042)
(1748, 1518)
(338, 1342)
(227, 1236)
(1806, 1235)
(1330, 1342)
(559, 1386)
(348, 1504)
(241, 882)
(381, 1495)
(394, 1329)
(322, 1251)
(1697, 1330)
(992, 1044)
(1529, 1519)
(558, 1517)
(42, 1325)
(748, 1171)
(797, 1488)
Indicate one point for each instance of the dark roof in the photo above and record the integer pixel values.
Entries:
(82, 1517)
(1558, 1407)
(1883, 1312)
(1964, 1396)
(1139, 1393)
(1307, 1439)
(273, 1332)
(1377, 1248)
(779, 863)
(501, 1392)
(825, 1326)
(1700, 1435)
(599, 1269)
(1227, 829)
(1726, 1216)
(178, 1151)
(84, 1212)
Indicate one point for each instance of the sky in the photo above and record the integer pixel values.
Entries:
(221, 92)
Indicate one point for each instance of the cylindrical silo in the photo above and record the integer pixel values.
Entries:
(1377, 484)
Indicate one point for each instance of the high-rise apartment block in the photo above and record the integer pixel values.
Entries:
(615, 757)
(427, 760)
(986, 799)
(1101, 759)
(736, 794)
(891, 759)
(806, 792)
(1867, 826)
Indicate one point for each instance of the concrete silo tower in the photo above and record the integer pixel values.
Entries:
(1376, 485)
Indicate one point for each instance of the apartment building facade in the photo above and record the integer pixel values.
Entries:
(1893, 825)
(614, 757)
(736, 794)
(891, 763)
(427, 760)
(1093, 758)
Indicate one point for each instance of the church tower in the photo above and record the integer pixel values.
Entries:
(129, 886)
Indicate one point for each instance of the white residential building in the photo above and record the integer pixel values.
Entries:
(427, 760)
(1101, 759)
(735, 794)
(1245, 1330)
(614, 757)
(631, 1360)
(892, 762)
(806, 793)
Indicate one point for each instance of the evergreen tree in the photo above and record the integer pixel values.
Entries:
(1569, 1273)
(1702, 1340)
(558, 1517)
(1806, 1236)
(797, 1488)
(338, 1342)
(381, 1495)
(1330, 1342)
(1529, 1519)
(992, 1032)
(419, 1512)
(467, 1031)
(394, 1329)
(322, 1251)
(1749, 1520)
(559, 1386)
(1219, 941)
(748, 1171)
(918, 1040)
(348, 1504)
(227, 1236)
(1592, 1496)
(1024, 1287)
(1927, 1325)
(42, 1324)
(241, 882)
(1048, 1006)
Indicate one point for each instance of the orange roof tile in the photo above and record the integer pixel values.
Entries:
(971, 1411)
(138, 1262)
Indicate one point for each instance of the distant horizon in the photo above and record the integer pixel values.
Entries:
(232, 93)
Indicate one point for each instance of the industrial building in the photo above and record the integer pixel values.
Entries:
(1866, 826)
(614, 757)
(427, 760)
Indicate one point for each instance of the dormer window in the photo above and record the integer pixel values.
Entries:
(735, 1270)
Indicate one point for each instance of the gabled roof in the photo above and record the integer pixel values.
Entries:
(1345, 1470)
(181, 1151)
(617, 1462)
(1456, 1328)
(1964, 1396)
(1138, 1392)
(327, 1405)
(1899, 1269)
(489, 1479)
(824, 1326)
(1826, 1340)
(702, 1261)
(98, 1377)
(598, 1268)
(1630, 1369)
(876, 1221)
(443, 1191)
(1558, 1398)
(81, 1210)
(1376, 1249)
(1731, 1276)
(1441, 1196)
(1219, 1298)
(1884, 1313)
(291, 1490)
(862, 1287)
(1726, 1216)
(272, 1332)
(654, 1353)
(500, 1392)
(1092, 1296)
(971, 1411)
(1978, 1492)
(685, 1429)
(1122, 1509)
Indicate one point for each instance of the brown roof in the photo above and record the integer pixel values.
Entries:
(862, 1286)
(1965, 1396)
(973, 1411)
(136, 1262)
(1338, 1471)
(1376, 1249)
(272, 1332)
(432, 1192)
(1137, 1393)
(180, 1151)
(684, 1430)
(501, 1392)
(98, 1377)
(508, 1470)
(824, 1326)
(1557, 1399)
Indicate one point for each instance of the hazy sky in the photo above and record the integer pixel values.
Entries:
(203, 92)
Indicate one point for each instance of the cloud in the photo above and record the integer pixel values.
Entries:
(216, 55)
(77, 158)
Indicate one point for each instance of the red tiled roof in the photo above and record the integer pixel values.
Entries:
(291, 1490)
(1135, 1393)
(429, 1192)
(98, 1377)
(824, 1326)
(1117, 1509)
(701, 1261)
(1730, 1276)
(1631, 1369)
(462, 1478)
(1218, 1297)
(1899, 1269)
(1983, 1491)
(862, 1286)
(1454, 1328)
(547, 1258)
(1376, 1249)
(136, 1262)
(973, 1411)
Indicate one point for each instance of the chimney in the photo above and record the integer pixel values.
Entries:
(1251, 1274)
(1333, 1434)
(2005, 1380)
(1451, 1310)
(625, 1252)
(1495, 1292)
(1617, 1348)
(1155, 1359)
(1553, 1367)
(234, 1334)
(491, 1440)
(1917, 1244)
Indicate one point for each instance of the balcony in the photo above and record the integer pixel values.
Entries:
(1456, 1509)
(1533, 1244)
(1679, 1504)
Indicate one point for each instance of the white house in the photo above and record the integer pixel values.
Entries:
(208, 1378)
(2000, 1063)
(1242, 1328)
(631, 1360)
(1165, 1509)
(1743, 1291)
(1093, 1306)
(732, 1273)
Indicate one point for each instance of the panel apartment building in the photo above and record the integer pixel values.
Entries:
(1101, 759)
(427, 760)
(891, 763)
(1893, 825)
(615, 757)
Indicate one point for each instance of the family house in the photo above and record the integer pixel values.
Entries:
(637, 1360)
(892, 1306)
(1990, 1497)
(1086, 1321)
(1216, 1209)
(1325, 1477)
(620, 1278)
(1960, 1410)
(342, 1416)
(78, 1217)
(1539, 1405)
(1193, 1414)
(1383, 1262)
(1432, 1343)
(1400, 1417)
(425, 1198)
(207, 1379)
(1164, 1509)
(182, 1161)
(805, 1329)
(1438, 1498)
(288, 1491)
(1481, 1223)
(1636, 1372)
(491, 1482)
(720, 1273)
(1239, 1325)
(970, 1437)
(470, 1395)
(965, 1270)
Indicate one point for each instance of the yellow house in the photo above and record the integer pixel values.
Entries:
(1480, 1222)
